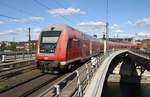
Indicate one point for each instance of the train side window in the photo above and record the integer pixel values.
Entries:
(79, 44)
(69, 43)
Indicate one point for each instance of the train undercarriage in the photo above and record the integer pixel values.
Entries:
(55, 66)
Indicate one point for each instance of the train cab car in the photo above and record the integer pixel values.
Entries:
(60, 45)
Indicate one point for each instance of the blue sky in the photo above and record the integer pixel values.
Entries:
(127, 18)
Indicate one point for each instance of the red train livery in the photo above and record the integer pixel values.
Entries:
(59, 46)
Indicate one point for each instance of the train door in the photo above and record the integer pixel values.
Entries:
(73, 48)
(69, 49)
(83, 49)
(91, 47)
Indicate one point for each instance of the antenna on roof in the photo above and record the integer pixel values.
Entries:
(52, 28)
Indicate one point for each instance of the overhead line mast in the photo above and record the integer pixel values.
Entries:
(106, 34)
(107, 23)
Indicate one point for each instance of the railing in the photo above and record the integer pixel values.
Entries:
(18, 64)
(75, 83)
(11, 56)
(144, 53)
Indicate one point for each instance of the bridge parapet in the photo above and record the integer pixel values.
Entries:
(142, 53)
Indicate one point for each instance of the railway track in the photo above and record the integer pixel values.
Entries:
(26, 88)
(16, 71)
(33, 86)
(34, 82)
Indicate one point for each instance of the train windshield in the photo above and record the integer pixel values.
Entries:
(48, 41)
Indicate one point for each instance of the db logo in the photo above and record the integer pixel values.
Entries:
(45, 58)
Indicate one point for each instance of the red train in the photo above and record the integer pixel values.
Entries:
(60, 46)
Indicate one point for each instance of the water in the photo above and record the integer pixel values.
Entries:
(126, 90)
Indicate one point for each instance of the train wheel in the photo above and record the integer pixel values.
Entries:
(62, 69)
(70, 67)
(37, 64)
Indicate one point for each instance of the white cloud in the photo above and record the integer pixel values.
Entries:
(143, 34)
(36, 18)
(65, 12)
(37, 30)
(122, 35)
(116, 28)
(129, 22)
(20, 30)
(2, 22)
(143, 23)
(15, 31)
(28, 20)
(93, 25)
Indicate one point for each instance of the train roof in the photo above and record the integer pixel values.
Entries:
(55, 26)
(61, 27)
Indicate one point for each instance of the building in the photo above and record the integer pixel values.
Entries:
(19, 46)
(25, 45)
(122, 40)
(146, 43)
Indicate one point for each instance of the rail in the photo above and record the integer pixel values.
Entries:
(75, 83)
(12, 56)
(16, 64)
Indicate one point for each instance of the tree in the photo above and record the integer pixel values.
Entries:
(12, 47)
(3, 46)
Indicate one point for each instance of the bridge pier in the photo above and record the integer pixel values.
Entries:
(127, 70)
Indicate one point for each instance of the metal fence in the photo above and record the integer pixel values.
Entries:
(75, 83)
(12, 56)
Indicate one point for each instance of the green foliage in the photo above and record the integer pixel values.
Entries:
(2, 47)
(149, 46)
(11, 47)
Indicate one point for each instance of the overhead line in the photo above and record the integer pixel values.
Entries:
(6, 16)
(14, 8)
(43, 5)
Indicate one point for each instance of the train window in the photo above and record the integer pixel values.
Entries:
(51, 33)
(69, 43)
(50, 36)
(79, 44)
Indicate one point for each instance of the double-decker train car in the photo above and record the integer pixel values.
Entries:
(59, 46)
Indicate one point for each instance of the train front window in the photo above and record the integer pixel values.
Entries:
(48, 41)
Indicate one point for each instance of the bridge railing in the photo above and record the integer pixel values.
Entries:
(75, 83)
(142, 52)
(11, 56)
